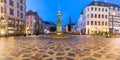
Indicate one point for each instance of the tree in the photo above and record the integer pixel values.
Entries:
(69, 27)
(52, 29)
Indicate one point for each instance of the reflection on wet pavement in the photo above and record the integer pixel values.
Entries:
(75, 48)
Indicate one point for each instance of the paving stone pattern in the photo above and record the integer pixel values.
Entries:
(75, 48)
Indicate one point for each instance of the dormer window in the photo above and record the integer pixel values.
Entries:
(102, 4)
(111, 7)
(116, 8)
(95, 4)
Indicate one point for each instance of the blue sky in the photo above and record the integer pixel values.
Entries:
(47, 9)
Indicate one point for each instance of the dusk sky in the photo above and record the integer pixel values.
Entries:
(47, 9)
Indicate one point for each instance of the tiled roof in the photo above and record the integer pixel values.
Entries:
(105, 4)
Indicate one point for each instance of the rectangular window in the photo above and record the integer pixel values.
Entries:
(1, 1)
(99, 9)
(106, 23)
(11, 11)
(88, 9)
(4, 1)
(91, 15)
(91, 22)
(21, 8)
(95, 22)
(106, 16)
(102, 16)
(87, 22)
(102, 23)
(102, 9)
(99, 16)
(95, 9)
(5, 10)
(95, 15)
(21, 1)
(91, 8)
(17, 5)
(11, 2)
(18, 13)
(99, 23)
(106, 10)
(87, 15)
(2, 9)
(21, 15)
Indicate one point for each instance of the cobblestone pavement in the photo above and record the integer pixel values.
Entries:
(75, 48)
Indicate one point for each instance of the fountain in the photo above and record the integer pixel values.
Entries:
(59, 33)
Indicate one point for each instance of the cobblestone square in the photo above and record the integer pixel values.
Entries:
(82, 47)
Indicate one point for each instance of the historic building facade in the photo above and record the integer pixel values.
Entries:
(33, 23)
(46, 25)
(12, 17)
(99, 17)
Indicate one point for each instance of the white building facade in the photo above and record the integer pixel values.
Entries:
(98, 17)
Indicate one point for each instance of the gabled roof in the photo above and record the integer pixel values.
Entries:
(30, 12)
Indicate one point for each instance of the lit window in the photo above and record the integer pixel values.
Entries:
(102, 23)
(106, 16)
(99, 22)
(106, 23)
